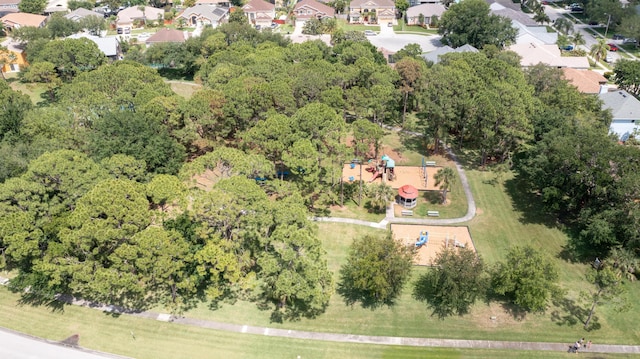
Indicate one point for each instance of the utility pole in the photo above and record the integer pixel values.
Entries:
(607, 29)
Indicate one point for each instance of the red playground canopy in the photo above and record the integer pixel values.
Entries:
(408, 192)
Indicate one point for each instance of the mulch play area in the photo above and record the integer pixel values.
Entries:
(439, 238)
(403, 175)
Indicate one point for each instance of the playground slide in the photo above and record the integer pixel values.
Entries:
(376, 174)
(424, 237)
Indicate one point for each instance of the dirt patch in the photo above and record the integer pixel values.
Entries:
(403, 175)
(206, 180)
(439, 238)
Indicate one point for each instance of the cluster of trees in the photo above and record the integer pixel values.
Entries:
(581, 174)
(620, 18)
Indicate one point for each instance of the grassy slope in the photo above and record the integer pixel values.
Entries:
(159, 340)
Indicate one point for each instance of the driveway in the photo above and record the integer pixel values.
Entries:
(391, 41)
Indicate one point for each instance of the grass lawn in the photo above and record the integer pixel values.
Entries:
(159, 340)
(401, 28)
(185, 89)
(35, 91)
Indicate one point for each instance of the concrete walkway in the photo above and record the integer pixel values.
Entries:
(391, 218)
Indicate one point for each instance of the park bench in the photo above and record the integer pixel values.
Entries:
(430, 163)
(407, 212)
(433, 213)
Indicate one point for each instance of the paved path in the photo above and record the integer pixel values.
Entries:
(391, 218)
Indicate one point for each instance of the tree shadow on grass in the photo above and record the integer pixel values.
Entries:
(413, 143)
(569, 312)
(34, 300)
(528, 204)
(352, 296)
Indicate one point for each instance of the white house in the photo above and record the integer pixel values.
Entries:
(625, 110)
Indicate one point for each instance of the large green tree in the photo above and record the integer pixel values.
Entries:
(628, 76)
(71, 56)
(527, 278)
(470, 22)
(376, 271)
(454, 284)
(32, 6)
(128, 133)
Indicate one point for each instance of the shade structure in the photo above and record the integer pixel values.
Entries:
(408, 196)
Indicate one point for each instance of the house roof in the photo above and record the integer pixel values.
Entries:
(532, 54)
(211, 2)
(586, 81)
(211, 12)
(519, 16)
(426, 10)
(167, 35)
(132, 13)
(315, 5)
(408, 191)
(534, 34)
(9, 2)
(376, 4)
(258, 6)
(80, 13)
(23, 19)
(108, 45)
(622, 104)
(434, 56)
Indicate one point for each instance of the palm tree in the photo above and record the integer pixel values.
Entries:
(445, 178)
(578, 39)
(624, 263)
(564, 25)
(380, 196)
(541, 17)
(599, 50)
(562, 42)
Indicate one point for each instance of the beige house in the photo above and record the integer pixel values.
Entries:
(309, 9)
(428, 11)
(205, 15)
(17, 20)
(532, 54)
(131, 15)
(372, 12)
(260, 12)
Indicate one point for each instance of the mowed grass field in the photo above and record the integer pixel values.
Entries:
(149, 339)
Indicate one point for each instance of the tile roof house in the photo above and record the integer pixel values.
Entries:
(309, 9)
(434, 56)
(586, 81)
(167, 35)
(528, 30)
(9, 5)
(205, 15)
(625, 110)
(428, 11)
(223, 3)
(22, 19)
(128, 16)
(81, 13)
(532, 54)
(260, 12)
(372, 11)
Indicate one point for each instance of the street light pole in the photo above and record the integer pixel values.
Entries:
(607, 29)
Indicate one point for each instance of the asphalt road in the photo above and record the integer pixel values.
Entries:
(14, 345)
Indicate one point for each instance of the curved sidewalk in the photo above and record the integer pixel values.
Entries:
(391, 218)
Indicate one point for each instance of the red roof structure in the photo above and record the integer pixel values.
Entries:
(408, 191)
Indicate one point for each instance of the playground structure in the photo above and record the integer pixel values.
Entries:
(436, 239)
(402, 175)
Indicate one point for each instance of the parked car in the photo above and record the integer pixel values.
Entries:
(390, 24)
(568, 48)
(369, 33)
(618, 37)
(629, 41)
(594, 23)
(613, 47)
